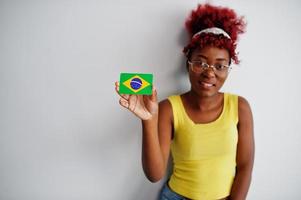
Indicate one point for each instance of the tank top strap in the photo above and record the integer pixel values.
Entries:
(232, 107)
(177, 110)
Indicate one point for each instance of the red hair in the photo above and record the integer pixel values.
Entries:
(207, 16)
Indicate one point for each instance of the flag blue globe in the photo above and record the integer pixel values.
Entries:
(136, 83)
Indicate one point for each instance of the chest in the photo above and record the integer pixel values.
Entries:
(196, 142)
(202, 117)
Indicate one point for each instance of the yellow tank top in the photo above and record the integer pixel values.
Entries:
(204, 155)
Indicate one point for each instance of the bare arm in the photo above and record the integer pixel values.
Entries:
(156, 142)
(156, 130)
(245, 152)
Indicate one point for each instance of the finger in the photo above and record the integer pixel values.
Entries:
(124, 96)
(153, 97)
(124, 103)
(133, 103)
(117, 86)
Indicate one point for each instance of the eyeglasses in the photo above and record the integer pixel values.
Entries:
(200, 66)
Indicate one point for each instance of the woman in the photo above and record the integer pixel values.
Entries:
(209, 133)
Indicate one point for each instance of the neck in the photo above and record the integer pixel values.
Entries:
(203, 103)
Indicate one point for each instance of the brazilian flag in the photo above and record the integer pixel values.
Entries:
(133, 83)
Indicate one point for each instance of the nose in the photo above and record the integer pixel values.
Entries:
(209, 72)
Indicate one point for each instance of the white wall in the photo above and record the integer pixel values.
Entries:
(63, 134)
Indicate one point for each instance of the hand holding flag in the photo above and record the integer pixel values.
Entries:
(143, 106)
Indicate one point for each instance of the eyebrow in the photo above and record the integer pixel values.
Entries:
(218, 59)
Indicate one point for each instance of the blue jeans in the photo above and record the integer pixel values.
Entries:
(167, 194)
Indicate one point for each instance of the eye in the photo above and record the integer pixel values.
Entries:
(220, 67)
(203, 64)
(197, 63)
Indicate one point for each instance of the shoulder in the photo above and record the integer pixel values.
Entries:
(168, 102)
(165, 107)
(244, 109)
(165, 104)
(243, 104)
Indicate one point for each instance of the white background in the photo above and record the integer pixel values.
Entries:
(63, 134)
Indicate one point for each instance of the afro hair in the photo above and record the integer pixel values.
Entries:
(208, 16)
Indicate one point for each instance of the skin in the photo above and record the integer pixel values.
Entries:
(203, 104)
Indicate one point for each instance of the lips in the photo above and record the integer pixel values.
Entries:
(206, 85)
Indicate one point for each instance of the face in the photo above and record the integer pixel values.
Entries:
(208, 82)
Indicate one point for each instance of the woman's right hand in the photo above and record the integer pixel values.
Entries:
(143, 106)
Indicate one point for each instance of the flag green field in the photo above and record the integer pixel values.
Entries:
(136, 83)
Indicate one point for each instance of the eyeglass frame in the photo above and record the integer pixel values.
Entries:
(228, 67)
